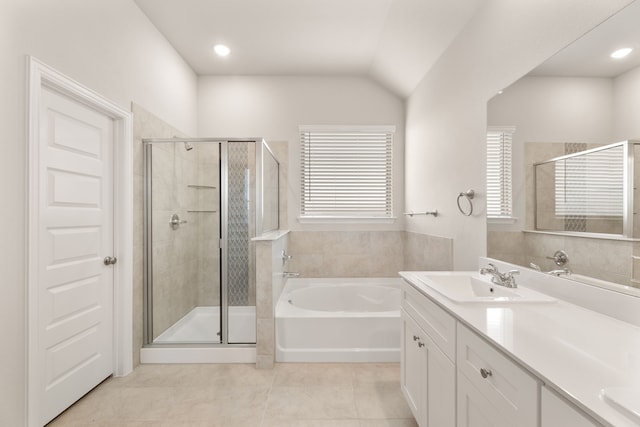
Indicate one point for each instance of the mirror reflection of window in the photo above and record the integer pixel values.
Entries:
(499, 181)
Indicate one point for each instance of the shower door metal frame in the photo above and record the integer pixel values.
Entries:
(260, 144)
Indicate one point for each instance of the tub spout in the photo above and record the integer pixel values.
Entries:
(288, 274)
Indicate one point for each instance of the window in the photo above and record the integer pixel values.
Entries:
(499, 203)
(346, 172)
(591, 184)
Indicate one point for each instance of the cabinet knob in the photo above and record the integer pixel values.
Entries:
(416, 338)
(485, 372)
(420, 344)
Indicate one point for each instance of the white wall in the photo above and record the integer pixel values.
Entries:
(274, 107)
(550, 109)
(446, 114)
(626, 98)
(108, 46)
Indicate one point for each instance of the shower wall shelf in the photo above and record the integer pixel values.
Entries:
(200, 186)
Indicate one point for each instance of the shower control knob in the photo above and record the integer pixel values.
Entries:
(110, 260)
(175, 221)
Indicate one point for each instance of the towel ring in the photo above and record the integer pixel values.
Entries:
(469, 195)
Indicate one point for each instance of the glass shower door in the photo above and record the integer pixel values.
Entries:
(183, 233)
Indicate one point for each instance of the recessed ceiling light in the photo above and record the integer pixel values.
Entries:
(221, 50)
(621, 53)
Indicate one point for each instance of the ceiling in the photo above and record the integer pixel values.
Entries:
(589, 55)
(393, 41)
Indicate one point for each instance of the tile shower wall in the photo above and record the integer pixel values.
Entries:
(204, 217)
(175, 251)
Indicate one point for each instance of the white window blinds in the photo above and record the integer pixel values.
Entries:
(499, 199)
(346, 172)
(591, 184)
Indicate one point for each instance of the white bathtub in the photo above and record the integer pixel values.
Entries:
(339, 320)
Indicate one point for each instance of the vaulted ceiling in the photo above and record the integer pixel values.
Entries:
(395, 42)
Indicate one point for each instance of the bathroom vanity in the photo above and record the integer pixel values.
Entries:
(476, 355)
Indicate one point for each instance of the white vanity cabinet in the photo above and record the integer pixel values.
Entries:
(427, 372)
(461, 366)
(556, 412)
(492, 389)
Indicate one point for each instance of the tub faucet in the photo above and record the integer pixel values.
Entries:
(289, 275)
(285, 257)
(560, 272)
(502, 279)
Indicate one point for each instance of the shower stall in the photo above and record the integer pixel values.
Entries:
(205, 199)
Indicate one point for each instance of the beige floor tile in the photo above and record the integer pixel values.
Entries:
(215, 402)
(313, 374)
(310, 423)
(375, 373)
(311, 403)
(409, 422)
(233, 375)
(173, 375)
(239, 395)
(113, 423)
(101, 404)
(385, 401)
(143, 403)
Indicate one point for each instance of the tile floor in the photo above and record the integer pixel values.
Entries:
(238, 395)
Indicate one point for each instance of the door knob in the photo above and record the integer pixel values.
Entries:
(110, 260)
(485, 372)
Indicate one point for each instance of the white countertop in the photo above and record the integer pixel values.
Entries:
(576, 351)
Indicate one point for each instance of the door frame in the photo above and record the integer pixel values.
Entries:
(39, 76)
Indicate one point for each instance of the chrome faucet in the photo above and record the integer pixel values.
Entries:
(502, 279)
(558, 272)
(290, 275)
(285, 257)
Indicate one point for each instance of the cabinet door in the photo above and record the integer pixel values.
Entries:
(441, 388)
(413, 363)
(474, 409)
(558, 413)
(511, 391)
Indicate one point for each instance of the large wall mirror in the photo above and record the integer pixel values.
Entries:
(574, 120)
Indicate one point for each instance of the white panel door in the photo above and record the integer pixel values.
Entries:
(75, 288)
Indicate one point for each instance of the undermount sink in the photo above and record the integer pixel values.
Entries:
(471, 287)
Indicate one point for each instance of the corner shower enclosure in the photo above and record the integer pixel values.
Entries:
(205, 199)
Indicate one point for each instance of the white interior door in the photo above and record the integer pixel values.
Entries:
(75, 289)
